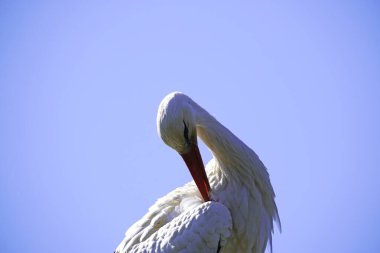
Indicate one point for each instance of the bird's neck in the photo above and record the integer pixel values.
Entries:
(227, 149)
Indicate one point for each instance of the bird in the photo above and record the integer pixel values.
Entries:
(228, 207)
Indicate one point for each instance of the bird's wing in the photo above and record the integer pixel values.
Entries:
(203, 229)
(179, 222)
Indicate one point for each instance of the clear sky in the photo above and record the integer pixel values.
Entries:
(80, 83)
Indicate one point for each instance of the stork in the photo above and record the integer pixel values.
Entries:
(228, 208)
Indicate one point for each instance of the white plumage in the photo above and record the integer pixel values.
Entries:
(238, 219)
(191, 231)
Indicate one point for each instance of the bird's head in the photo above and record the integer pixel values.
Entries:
(176, 125)
(175, 122)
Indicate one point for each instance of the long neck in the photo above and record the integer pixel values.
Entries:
(227, 149)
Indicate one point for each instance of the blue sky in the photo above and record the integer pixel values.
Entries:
(80, 83)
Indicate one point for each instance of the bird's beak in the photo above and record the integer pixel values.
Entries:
(194, 162)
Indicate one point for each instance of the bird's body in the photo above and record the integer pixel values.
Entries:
(239, 183)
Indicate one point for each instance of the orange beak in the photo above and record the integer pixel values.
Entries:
(195, 165)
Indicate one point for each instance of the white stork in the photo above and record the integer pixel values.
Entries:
(230, 208)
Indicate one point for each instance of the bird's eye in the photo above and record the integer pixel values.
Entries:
(186, 133)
